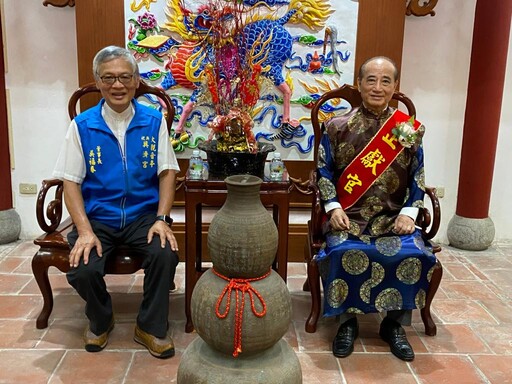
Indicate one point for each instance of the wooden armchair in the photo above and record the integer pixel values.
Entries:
(428, 223)
(54, 251)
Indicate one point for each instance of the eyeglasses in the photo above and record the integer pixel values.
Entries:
(110, 80)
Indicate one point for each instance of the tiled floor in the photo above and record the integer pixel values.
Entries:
(473, 311)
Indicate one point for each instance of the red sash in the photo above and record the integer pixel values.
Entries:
(372, 161)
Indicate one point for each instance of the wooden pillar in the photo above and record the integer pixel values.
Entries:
(5, 163)
(99, 23)
(471, 228)
(380, 31)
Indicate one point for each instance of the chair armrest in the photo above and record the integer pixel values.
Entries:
(428, 223)
(53, 209)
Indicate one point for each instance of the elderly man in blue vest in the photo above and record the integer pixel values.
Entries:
(371, 181)
(119, 170)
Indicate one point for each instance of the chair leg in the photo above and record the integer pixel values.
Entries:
(305, 287)
(40, 271)
(314, 285)
(430, 326)
(41, 261)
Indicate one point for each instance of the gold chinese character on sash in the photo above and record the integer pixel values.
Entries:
(353, 180)
(389, 140)
(372, 159)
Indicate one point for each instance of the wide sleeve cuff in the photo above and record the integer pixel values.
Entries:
(412, 212)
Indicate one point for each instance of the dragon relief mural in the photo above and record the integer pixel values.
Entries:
(237, 59)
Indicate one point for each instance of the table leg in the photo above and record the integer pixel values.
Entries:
(190, 258)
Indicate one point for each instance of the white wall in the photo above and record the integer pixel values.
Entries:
(41, 74)
(435, 70)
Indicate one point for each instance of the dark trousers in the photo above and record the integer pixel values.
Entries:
(159, 267)
(403, 317)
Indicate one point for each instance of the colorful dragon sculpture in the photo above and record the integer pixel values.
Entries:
(205, 37)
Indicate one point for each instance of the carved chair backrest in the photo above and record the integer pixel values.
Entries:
(351, 94)
(143, 89)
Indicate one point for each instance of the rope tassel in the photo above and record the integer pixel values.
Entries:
(241, 287)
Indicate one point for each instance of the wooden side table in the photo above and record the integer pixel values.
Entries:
(213, 193)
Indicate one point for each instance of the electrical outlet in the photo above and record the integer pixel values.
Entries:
(440, 192)
(28, 189)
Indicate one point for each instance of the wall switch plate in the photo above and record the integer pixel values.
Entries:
(440, 192)
(28, 189)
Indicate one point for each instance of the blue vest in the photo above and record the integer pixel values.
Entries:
(118, 189)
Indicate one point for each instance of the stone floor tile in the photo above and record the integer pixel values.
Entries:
(19, 334)
(145, 368)
(364, 368)
(28, 366)
(459, 271)
(15, 306)
(439, 368)
(498, 369)
(13, 283)
(498, 337)
(462, 290)
(454, 338)
(319, 368)
(9, 264)
(84, 367)
(462, 311)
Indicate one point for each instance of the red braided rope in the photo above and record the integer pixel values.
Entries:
(241, 287)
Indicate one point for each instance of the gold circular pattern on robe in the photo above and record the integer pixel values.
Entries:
(354, 310)
(403, 159)
(355, 261)
(337, 293)
(418, 204)
(389, 299)
(327, 189)
(419, 177)
(420, 299)
(364, 291)
(321, 156)
(388, 181)
(366, 239)
(378, 274)
(344, 153)
(356, 124)
(430, 272)
(381, 225)
(420, 244)
(371, 206)
(389, 245)
(336, 238)
(406, 197)
(354, 228)
(409, 270)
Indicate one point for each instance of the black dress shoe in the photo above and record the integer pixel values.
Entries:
(343, 343)
(393, 334)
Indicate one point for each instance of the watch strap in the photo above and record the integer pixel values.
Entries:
(164, 218)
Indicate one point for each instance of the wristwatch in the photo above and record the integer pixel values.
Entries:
(165, 218)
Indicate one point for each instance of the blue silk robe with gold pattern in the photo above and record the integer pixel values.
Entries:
(368, 268)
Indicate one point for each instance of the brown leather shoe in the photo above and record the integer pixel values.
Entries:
(162, 348)
(95, 343)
